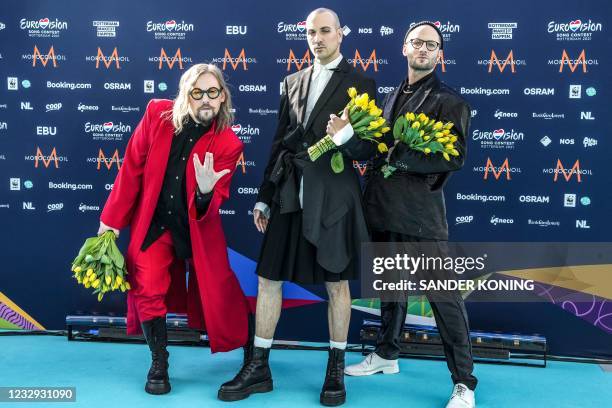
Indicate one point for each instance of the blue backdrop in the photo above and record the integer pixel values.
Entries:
(75, 78)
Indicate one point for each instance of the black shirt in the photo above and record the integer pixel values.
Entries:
(405, 93)
(171, 210)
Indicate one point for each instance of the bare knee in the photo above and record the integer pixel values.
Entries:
(338, 290)
(269, 286)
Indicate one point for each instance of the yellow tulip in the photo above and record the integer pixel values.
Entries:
(87, 284)
(410, 116)
(416, 125)
(119, 280)
(89, 272)
(421, 133)
(439, 134)
(79, 279)
(422, 117)
(77, 269)
(352, 91)
(426, 138)
(377, 134)
(449, 146)
(446, 132)
(385, 129)
(449, 125)
(108, 280)
(95, 283)
(454, 152)
(427, 150)
(446, 156)
(372, 104)
(382, 148)
(453, 139)
(127, 285)
(443, 139)
(438, 126)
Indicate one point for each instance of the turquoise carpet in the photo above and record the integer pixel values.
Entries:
(111, 375)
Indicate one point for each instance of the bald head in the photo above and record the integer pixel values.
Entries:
(323, 10)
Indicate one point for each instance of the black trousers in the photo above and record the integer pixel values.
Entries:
(451, 318)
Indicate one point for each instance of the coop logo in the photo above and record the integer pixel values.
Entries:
(505, 221)
(243, 163)
(535, 199)
(39, 58)
(107, 61)
(55, 207)
(443, 62)
(574, 30)
(235, 62)
(543, 223)
(296, 31)
(87, 108)
(464, 219)
(51, 159)
(494, 61)
(573, 64)
(85, 207)
(498, 139)
(177, 58)
(169, 30)
(245, 133)
(107, 29)
(501, 31)
(484, 91)
(505, 115)
(53, 107)
(589, 142)
(252, 88)
(447, 29)
(568, 174)
(107, 130)
(365, 63)
(293, 60)
(44, 27)
(108, 162)
(68, 85)
(497, 171)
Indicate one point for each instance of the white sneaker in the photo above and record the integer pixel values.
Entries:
(373, 364)
(462, 397)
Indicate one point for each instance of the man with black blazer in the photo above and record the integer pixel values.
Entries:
(312, 218)
(409, 206)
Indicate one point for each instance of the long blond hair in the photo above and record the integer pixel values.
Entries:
(180, 110)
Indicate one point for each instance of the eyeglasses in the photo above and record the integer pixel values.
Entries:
(417, 43)
(212, 93)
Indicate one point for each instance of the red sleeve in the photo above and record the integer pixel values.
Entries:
(121, 202)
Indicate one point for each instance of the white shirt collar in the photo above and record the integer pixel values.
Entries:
(331, 65)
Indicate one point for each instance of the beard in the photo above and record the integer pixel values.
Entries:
(206, 115)
(419, 65)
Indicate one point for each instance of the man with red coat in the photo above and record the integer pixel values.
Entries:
(171, 200)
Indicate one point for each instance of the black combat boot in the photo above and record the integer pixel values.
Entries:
(254, 377)
(333, 392)
(157, 338)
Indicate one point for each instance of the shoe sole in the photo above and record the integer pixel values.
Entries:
(389, 370)
(157, 389)
(258, 388)
(332, 401)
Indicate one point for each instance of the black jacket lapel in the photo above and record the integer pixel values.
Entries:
(330, 88)
(303, 93)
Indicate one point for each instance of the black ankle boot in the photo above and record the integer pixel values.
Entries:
(333, 392)
(254, 377)
(157, 338)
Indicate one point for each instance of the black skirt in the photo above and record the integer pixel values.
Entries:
(287, 256)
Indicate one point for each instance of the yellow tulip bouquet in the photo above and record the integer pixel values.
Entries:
(100, 265)
(423, 134)
(367, 122)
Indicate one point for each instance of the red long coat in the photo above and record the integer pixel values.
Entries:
(214, 291)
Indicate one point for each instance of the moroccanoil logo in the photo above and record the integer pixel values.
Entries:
(568, 174)
(38, 57)
(243, 163)
(235, 62)
(108, 61)
(293, 60)
(108, 162)
(495, 61)
(46, 160)
(170, 61)
(497, 171)
(365, 63)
